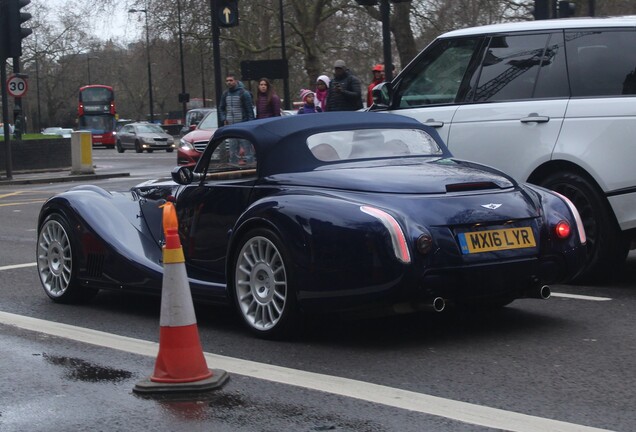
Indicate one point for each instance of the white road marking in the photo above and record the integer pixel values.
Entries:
(393, 397)
(580, 297)
(17, 266)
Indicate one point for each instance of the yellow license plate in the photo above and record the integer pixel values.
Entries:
(495, 240)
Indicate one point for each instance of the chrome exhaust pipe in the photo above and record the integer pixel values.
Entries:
(543, 292)
(439, 304)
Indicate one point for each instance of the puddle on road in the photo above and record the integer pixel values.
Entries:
(81, 370)
(247, 412)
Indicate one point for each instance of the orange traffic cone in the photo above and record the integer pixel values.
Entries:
(180, 364)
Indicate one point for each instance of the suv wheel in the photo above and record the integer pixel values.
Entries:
(606, 247)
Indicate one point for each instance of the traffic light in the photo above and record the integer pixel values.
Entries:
(227, 11)
(541, 9)
(566, 9)
(14, 30)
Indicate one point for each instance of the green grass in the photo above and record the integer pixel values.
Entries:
(27, 137)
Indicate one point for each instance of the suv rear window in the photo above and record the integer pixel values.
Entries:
(595, 68)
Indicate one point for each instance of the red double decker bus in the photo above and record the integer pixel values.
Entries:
(96, 113)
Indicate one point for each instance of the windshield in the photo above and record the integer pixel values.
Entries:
(149, 128)
(104, 123)
(209, 122)
(372, 143)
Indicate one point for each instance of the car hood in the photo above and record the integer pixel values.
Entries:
(438, 177)
(198, 135)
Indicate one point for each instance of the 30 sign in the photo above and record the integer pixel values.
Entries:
(16, 86)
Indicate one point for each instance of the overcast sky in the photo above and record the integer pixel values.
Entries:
(115, 23)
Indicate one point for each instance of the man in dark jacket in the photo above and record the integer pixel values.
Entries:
(345, 93)
(236, 103)
(235, 107)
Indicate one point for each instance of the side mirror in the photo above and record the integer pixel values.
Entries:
(182, 175)
(382, 95)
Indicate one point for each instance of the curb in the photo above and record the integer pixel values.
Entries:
(48, 178)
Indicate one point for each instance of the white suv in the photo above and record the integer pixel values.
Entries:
(549, 102)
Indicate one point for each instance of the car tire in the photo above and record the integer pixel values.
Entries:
(138, 148)
(170, 150)
(262, 288)
(607, 249)
(120, 149)
(57, 262)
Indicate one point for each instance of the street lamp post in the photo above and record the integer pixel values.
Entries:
(145, 11)
(203, 79)
(184, 106)
(88, 65)
(284, 54)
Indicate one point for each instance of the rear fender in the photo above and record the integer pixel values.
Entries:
(332, 241)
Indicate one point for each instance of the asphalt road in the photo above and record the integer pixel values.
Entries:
(562, 364)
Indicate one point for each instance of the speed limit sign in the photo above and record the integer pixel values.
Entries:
(16, 86)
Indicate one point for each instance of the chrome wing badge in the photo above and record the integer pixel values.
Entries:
(491, 206)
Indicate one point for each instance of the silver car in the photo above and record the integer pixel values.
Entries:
(144, 136)
(63, 132)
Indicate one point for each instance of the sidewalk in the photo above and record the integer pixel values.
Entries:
(57, 176)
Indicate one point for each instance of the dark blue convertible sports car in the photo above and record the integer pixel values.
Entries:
(333, 212)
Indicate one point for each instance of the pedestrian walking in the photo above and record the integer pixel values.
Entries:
(378, 77)
(236, 102)
(236, 106)
(344, 90)
(267, 101)
(309, 106)
(322, 90)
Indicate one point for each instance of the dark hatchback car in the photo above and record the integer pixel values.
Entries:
(329, 213)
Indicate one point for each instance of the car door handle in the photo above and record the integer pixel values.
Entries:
(535, 118)
(433, 123)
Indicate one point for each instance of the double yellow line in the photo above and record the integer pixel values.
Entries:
(16, 203)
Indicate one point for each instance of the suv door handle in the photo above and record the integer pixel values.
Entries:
(535, 118)
(432, 123)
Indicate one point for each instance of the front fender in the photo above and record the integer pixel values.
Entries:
(109, 221)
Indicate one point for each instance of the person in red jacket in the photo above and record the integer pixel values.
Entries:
(378, 77)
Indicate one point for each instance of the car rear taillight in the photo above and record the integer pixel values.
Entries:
(577, 217)
(562, 230)
(398, 240)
